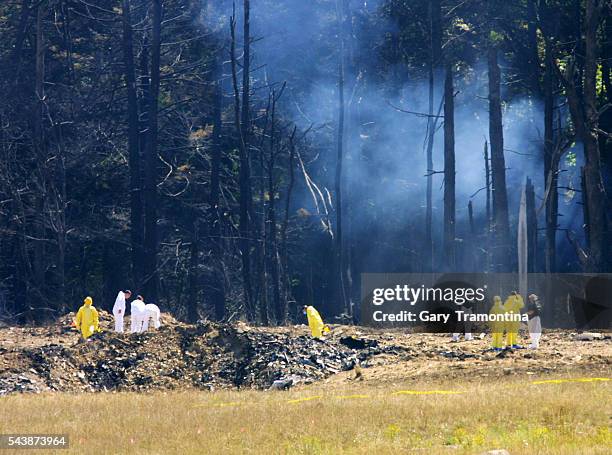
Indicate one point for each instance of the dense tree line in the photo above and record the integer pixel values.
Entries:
(235, 160)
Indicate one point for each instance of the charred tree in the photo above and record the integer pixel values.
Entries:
(532, 229)
(39, 266)
(501, 223)
(280, 306)
(151, 278)
(449, 170)
(341, 303)
(551, 166)
(242, 124)
(136, 209)
(487, 164)
(435, 52)
(261, 245)
(217, 285)
(284, 251)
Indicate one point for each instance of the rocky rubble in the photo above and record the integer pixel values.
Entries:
(178, 355)
(211, 356)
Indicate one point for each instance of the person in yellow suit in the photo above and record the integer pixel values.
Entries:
(513, 305)
(315, 322)
(497, 327)
(87, 320)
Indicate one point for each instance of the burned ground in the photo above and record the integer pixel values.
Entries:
(212, 356)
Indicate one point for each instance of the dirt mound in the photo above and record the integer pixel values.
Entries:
(177, 355)
(209, 355)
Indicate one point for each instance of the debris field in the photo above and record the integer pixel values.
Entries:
(210, 356)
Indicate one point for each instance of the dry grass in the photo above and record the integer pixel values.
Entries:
(567, 418)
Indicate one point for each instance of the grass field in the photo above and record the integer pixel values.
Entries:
(519, 416)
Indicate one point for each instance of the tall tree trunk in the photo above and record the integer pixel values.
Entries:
(217, 292)
(261, 248)
(136, 221)
(532, 229)
(151, 279)
(246, 198)
(144, 84)
(341, 295)
(41, 152)
(488, 206)
(502, 247)
(60, 220)
(280, 307)
(435, 51)
(242, 122)
(353, 131)
(284, 251)
(551, 165)
(449, 171)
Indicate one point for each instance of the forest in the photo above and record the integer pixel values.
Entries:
(237, 160)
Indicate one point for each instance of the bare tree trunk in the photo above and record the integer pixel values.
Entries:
(246, 201)
(532, 229)
(435, 50)
(449, 171)
(502, 245)
(242, 121)
(217, 294)
(145, 84)
(60, 219)
(151, 279)
(40, 143)
(488, 206)
(136, 221)
(341, 297)
(286, 281)
(280, 307)
(261, 248)
(551, 166)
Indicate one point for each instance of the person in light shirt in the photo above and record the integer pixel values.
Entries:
(119, 309)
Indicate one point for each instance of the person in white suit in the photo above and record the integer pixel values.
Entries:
(137, 314)
(152, 312)
(119, 309)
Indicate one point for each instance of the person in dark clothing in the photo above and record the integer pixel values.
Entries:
(534, 310)
(467, 308)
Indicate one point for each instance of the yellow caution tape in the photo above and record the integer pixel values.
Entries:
(561, 381)
(299, 400)
(426, 392)
(399, 392)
